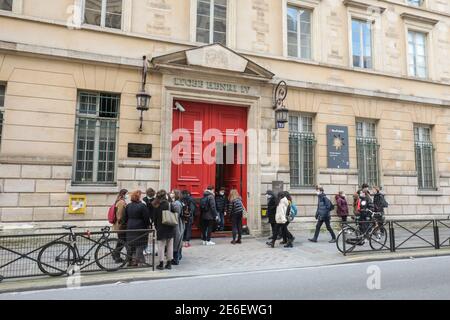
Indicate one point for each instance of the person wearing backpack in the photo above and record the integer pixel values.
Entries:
(115, 216)
(379, 201)
(324, 207)
(287, 236)
(189, 208)
(281, 217)
(208, 216)
(271, 211)
(221, 206)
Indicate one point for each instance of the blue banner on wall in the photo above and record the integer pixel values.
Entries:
(337, 149)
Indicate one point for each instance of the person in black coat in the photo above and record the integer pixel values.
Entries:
(164, 234)
(148, 199)
(271, 211)
(136, 217)
(221, 207)
(323, 215)
(209, 215)
(189, 202)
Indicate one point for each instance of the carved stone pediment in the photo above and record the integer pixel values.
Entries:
(214, 58)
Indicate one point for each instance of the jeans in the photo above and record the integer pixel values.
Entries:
(188, 231)
(328, 225)
(117, 254)
(165, 245)
(287, 236)
(236, 220)
(207, 227)
(221, 221)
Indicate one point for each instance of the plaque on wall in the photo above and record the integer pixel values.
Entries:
(337, 147)
(139, 150)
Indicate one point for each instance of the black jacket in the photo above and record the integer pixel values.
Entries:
(323, 207)
(236, 207)
(148, 201)
(272, 208)
(163, 232)
(211, 213)
(221, 203)
(190, 202)
(136, 217)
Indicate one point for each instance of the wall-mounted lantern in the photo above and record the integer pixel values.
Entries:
(281, 112)
(143, 98)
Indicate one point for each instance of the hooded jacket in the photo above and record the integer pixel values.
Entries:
(271, 207)
(211, 213)
(280, 216)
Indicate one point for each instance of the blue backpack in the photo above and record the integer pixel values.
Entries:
(294, 211)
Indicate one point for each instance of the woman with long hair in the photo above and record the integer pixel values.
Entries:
(236, 209)
(137, 217)
(118, 226)
(164, 233)
(177, 207)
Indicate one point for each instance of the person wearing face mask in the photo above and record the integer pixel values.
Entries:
(177, 207)
(119, 226)
(362, 193)
(324, 207)
(342, 206)
(221, 205)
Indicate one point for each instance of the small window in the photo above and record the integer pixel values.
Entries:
(299, 32)
(367, 153)
(2, 107)
(424, 157)
(417, 54)
(416, 3)
(212, 21)
(103, 13)
(96, 132)
(301, 151)
(6, 5)
(362, 44)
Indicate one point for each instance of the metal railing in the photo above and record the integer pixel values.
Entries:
(393, 235)
(55, 254)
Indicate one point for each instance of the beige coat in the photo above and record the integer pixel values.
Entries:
(282, 207)
(120, 205)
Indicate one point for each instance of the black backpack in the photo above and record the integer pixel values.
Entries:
(204, 204)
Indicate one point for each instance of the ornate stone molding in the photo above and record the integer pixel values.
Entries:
(417, 18)
(364, 6)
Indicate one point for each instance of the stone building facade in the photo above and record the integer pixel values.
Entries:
(379, 68)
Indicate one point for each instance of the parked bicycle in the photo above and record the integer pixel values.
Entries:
(369, 226)
(57, 257)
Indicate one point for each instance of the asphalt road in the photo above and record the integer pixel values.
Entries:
(424, 278)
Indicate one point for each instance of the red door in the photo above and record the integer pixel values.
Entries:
(193, 139)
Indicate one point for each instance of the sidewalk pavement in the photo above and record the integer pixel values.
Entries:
(252, 255)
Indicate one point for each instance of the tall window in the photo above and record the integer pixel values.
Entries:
(104, 13)
(301, 151)
(2, 108)
(417, 54)
(416, 3)
(424, 157)
(97, 120)
(299, 32)
(212, 21)
(367, 153)
(6, 5)
(362, 43)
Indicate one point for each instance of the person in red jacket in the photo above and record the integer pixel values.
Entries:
(342, 206)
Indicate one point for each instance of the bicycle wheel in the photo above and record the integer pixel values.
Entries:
(55, 258)
(378, 238)
(111, 254)
(350, 233)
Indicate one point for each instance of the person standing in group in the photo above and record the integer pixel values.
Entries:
(221, 206)
(136, 217)
(271, 211)
(177, 207)
(362, 193)
(190, 206)
(165, 234)
(281, 219)
(324, 207)
(118, 226)
(379, 200)
(208, 215)
(236, 210)
(148, 199)
(342, 206)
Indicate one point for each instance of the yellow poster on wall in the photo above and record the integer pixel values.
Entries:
(77, 204)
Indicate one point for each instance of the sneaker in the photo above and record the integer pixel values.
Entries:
(205, 243)
(233, 242)
(332, 241)
(239, 241)
(312, 240)
(160, 266)
(210, 243)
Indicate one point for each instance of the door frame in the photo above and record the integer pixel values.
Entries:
(170, 93)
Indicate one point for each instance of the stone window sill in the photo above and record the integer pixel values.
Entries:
(430, 193)
(92, 189)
